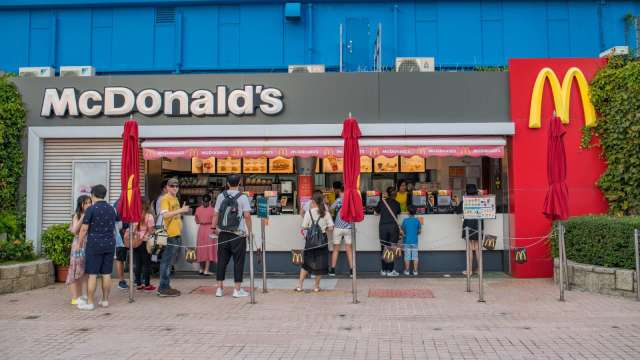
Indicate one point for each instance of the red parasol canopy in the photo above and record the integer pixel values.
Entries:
(351, 210)
(556, 204)
(130, 205)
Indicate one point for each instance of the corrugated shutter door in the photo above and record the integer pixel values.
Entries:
(59, 155)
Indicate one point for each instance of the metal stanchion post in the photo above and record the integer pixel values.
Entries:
(251, 275)
(264, 257)
(635, 238)
(480, 265)
(567, 285)
(354, 281)
(560, 262)
(469, 258)
(131, 230)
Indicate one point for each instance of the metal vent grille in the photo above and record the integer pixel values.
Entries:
(300, 69)
(409, 66)
(165, 15)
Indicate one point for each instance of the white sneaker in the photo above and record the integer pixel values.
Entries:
(407, 273)
(81, 301)
(87, 307)
(415, 273)
(240, 293)
(220, 292)
(393, 274)
(104, 303)
(383, 273)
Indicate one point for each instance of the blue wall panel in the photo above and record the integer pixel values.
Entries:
(246, 36)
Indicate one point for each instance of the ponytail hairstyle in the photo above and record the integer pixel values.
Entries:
(318, 198)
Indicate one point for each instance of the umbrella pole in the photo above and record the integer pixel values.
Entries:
(480, 264)
(132, 228)
(264, 256)
(251, 274)
(354, 279)
(560, 260)
(469, 258)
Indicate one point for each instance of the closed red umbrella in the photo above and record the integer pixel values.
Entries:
(351, 210)
(556, 203)
(130, 205)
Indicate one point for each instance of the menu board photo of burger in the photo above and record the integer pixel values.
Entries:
(228, 166)
(332, 164)
(203, 166)
(280, 165)
(254, 166)
(383, 164)
(366, 164)
(412, 164)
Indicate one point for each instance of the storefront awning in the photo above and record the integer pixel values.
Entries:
(325, 147)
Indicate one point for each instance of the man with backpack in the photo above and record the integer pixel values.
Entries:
(232, 222)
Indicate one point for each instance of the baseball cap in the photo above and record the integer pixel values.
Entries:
(172, 181)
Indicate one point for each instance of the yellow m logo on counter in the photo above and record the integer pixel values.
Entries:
(561, 96)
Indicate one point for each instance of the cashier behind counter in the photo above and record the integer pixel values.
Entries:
(425, 203)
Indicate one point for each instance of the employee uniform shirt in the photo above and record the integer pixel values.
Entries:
(411, 228)
(170, 203)
(243, 206)
(402, 199)
(101, 219)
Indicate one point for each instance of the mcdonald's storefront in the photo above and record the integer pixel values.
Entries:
(436, 131)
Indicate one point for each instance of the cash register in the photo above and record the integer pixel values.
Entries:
(273, 202)
(443, 203)
(419, 201)
(371, 202)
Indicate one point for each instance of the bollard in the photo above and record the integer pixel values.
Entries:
(131, 230)
(251, 274)
(264, 256)
(560, 260)
(480, 264)
(354, 281)
(469, 258)
(637, 235)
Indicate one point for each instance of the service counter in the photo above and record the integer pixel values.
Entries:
(440, 233)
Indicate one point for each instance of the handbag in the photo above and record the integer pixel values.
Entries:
(489, 242)
(297, 257)
(190, 255)
(388, 254)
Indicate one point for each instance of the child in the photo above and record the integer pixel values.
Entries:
(411, 229)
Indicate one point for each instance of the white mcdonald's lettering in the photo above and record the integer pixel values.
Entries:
(561, 96)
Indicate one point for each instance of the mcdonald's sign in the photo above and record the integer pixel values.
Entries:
(561, 96)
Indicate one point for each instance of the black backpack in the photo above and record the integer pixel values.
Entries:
(229, 214)
(314, 237)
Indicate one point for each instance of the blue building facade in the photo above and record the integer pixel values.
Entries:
(117, 36)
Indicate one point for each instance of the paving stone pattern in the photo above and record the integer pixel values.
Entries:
(521, 319)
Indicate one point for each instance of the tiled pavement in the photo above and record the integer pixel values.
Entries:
(520, 320)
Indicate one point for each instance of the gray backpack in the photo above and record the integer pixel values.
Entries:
(229, 213)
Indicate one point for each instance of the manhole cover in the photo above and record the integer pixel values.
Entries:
(31, 317)
(401, 293)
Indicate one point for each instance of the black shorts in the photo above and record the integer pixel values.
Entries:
(389, 233)
(99, 264)
(121, 253)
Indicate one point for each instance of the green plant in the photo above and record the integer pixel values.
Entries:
(600, 240)
(12, 123)
(9, 225)
(16, 250)
(615, 93)
(56, 244)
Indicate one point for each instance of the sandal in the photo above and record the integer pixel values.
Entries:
(298, 289)
(316, 290)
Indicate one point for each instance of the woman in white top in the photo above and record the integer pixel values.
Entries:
(316, 257)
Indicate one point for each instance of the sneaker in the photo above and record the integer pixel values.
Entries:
(104, 303)
(80, 301)
(170, 292)
(220, 292)
(140, 287)
(332, 272)
(383, 273)
(407, 273)
(87, 307)
(351, 273)
(415, 273)
(122, 285)
(393, 274)
(313, 276)
(240, 293)
(149, 288)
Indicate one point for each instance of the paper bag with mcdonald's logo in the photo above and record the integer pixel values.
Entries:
(520, 255)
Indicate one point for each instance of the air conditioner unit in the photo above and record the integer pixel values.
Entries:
(616, 50)
(77, 71)
(37, 71)
(318, 68)
(415, 64)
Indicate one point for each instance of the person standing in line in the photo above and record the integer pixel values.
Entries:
(388, 229)
(474, 238)
(163, 192)
(411, 228)
(97, 235)
(76, 279)
(232, 222)
(171, 213)
(206, 246)
(342, 231)
(142, 258)
(121, 251)
(317, 221)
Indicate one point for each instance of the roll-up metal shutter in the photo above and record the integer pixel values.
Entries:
(59, 155)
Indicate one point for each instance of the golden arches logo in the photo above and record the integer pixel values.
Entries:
(561, 96)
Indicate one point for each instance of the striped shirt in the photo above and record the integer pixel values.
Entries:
(340, 224)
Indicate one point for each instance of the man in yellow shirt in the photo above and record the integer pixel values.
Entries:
(171, 212)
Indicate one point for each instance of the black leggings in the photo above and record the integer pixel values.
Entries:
(142, 264)
(226, 250)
